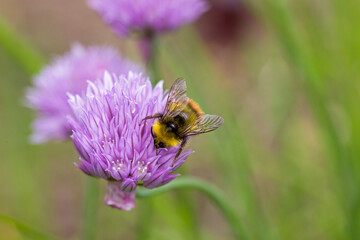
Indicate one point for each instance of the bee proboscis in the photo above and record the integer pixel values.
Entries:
(181, 118)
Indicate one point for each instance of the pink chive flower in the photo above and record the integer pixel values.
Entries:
(111, 143)
(126, 16)
(68, 73)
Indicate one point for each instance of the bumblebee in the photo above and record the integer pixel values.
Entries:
(181, 118)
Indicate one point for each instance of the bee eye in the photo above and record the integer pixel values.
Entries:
(161, 145)
(171, 127)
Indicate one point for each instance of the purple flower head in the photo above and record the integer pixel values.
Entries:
(126, 16)
(111, 143)
(68, 73)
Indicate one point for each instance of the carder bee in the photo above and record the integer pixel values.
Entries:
(181, 118)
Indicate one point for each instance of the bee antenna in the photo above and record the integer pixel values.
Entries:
(150, 117)
(141, 121)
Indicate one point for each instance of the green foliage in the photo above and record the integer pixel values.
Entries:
(24, 229)
(287, 156)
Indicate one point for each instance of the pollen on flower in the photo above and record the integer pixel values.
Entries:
(107, 140)
(117, 165)
(142, 167)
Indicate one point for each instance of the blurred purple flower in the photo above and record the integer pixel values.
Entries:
(111, 143)
(226, 23)
(68, 73)
(126, 16)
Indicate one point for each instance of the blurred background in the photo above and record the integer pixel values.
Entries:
(283, 74)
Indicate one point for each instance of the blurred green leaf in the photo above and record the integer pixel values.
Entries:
(26, 230)
(19, 49)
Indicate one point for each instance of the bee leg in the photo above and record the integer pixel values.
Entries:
(150, 117)
(182, 145)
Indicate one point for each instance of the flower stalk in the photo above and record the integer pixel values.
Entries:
(148, 47)
(152, 64)
(90, 208)
(210, 191)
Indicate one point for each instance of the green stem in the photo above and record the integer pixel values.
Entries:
(209, 190)
(152, 63)
(19, 50)
(90, 209)
(145, 217)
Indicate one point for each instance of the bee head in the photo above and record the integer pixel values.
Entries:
(171, 127)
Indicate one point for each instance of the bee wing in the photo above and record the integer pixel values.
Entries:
(207, 123)
(177, 99)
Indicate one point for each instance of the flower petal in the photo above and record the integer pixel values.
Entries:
(118, 199)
